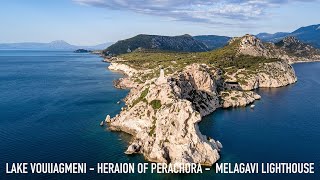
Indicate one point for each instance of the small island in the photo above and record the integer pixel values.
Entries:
(82, 51)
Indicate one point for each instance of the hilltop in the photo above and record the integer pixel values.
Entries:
(184, 43)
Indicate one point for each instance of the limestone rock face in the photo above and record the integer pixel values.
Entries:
(238, 98)
(124, 83)
(250, 45)
(200, 78)
(178, 139)
(123, 68)
(275, 74)
(290, 49)
(197, 84)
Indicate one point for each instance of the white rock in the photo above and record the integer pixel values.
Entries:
(108, 119)
(219, 144)
(123, 68)
(238, 98)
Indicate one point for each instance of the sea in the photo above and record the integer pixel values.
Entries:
(52, 103)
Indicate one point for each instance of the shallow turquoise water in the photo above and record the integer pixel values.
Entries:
(52, 103)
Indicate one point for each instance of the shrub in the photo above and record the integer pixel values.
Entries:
(143, 94)
(156, 104)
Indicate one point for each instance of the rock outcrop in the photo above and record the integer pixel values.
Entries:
(122, 68)
(250, 45)
(275, 74)
(197, 84)
(125, 82)
(289, 49)
(238, 98)
(298, 51)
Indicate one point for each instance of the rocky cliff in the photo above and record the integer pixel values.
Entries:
(289, 49)
(274, 74)
(236, 98)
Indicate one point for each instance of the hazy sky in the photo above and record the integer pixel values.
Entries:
(89, 22)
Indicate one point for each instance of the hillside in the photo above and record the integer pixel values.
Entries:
(247, 52)
(213, 41)
(289, 49)
(184, 43)
(293, 46)
(228, 57)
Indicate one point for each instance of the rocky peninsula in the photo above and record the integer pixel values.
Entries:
(171, 92)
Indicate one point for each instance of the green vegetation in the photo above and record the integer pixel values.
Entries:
(234, 98)
(156, 104)
(184, 43)
(142, 97)
(153, 128)
(225, 94)
(225, 57)
(242, 81)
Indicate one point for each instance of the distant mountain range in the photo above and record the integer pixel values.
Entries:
(202, 43)
(183, 43)
(309, 34)
(54, 45)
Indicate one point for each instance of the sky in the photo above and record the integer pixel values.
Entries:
(90, 22)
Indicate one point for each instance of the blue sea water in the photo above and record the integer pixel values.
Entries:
(52, 103)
